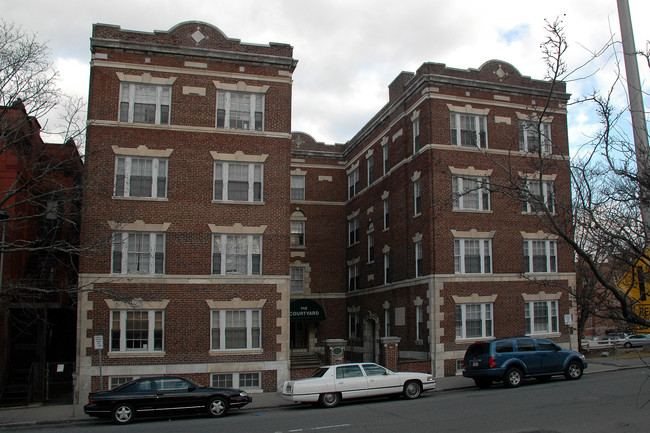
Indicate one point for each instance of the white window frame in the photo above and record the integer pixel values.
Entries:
(226, 260)
(387, 322)
(416, 136)
(353, 183)
(537, 324)
(476, 136)
(417, 198)
(297, 276)
(253, 323)
(420, 332)
(221, 180)
(384, 156)
(387, 268)
(297, 187)
(485, 316)
(353, 231)
(163, 98)
(124, 175)
(531, 132)
(537, 197)
(371, 247)
(460, 255)
(115, 381)
(549, 247)
(225, 118)
(469, 189)
(370, 170)
(419, 262)
(386, 215)
(119, 318)
(297, 234)
(354, 325)
(128, 253)
(236, 380)
(354, 277)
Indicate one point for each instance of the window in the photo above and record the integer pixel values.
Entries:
(371, 247)
(234, 181)
(473, 256)
(469, 130)
(236, 254)
(540, 255)
(417, 198)
(353, 183)
(387, 274)
(144, 103)
(354, 329)
(371, 170)
(418, 259)
(420, 325)
(531, 134)
(240, 110)
(140, 177)
(348, 371)
(297, 233)
(539, 194)
(541, 317)
(416, 136)
(353, 231)
(386, 215)
(297, 187)
(138, 253)
(116, 381)
(386, 322)
(297, 280)
(354, 277)
(236, 329)
(473, 321)
(384, 153)
(136, 330)
(471, 193)
(237, 380)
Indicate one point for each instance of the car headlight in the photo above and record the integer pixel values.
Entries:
(243, 394)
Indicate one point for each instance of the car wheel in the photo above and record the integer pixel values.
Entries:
(412, 390)
(123, 413)
(217, 407)
(627, 345)
(331, 399)
(573, 370)
(483, 382)
(513, 377)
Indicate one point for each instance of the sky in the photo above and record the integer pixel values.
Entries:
(349, 51)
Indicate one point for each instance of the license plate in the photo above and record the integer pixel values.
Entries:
(475, 363)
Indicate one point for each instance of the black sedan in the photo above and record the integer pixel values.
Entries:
(166, 395)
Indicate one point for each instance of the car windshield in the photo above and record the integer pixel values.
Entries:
(320, 372)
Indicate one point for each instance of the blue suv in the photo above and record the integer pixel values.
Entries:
(512, 359)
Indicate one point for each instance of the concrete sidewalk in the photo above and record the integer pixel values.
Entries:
(65, 413)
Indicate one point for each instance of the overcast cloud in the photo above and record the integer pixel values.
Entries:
(348, 51)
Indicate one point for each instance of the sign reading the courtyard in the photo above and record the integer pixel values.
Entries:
(306, 309)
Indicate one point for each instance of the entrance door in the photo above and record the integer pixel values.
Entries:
(369, 339)
(300, 336)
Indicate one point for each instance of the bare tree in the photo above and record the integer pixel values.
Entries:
(602, 221)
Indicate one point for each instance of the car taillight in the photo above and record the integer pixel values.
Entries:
(491, 362)
(463, 363)
(90, 399)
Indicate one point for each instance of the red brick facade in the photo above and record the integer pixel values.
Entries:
(188, 277)
(315, 219)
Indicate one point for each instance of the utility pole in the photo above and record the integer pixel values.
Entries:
(637, 111)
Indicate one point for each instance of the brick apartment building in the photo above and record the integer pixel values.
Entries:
(443, 245)
(227, 245)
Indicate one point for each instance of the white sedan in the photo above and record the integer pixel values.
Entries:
(333, 383)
